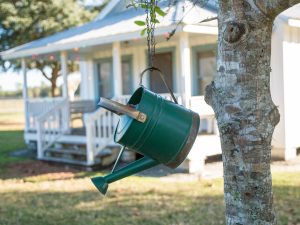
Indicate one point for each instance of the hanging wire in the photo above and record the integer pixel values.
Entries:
(150, 22)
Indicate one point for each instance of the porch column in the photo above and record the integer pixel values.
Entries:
(185, 65)
(117, 70)
(25, 93)
(64, 72)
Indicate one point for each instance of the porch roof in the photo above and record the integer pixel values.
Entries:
(118, 26)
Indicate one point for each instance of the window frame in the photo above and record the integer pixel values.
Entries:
(128, 58)
(97, 75)
(196, 50)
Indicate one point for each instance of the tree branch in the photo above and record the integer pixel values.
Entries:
(208, 19)
(41, 68)
(45, 75)
(275, 7)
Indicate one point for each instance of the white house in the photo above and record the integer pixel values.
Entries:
(112, 54)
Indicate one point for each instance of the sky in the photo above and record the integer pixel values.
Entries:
(10, 80)
(93, 2)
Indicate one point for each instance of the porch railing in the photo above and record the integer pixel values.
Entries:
(51, 125)
(100, 127)
(37, 107)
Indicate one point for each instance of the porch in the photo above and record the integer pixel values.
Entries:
(111, 68)
(113, 71)
(71, 131)
(76, 132)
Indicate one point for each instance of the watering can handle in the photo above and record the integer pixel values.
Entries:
(163, 79)
(121, 109)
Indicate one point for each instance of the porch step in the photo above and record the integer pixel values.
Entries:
(64, 160)
(107, 156)
(104, 153)
(78, 156)
(72, 139)
(66, 151)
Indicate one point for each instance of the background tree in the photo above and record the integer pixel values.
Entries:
(241, 99)
(22, 21)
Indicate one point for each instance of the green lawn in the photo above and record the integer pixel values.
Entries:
(72, 200)
(136, 200)
(10, 141)
(11, 137)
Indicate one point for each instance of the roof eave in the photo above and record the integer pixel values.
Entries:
(9, 54)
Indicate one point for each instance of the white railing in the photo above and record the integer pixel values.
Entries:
(37, 107)
(101, 124)
(51, 125)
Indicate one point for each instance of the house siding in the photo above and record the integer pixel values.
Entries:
(291, 56)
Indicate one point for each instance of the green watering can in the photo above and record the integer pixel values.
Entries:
(161, 130)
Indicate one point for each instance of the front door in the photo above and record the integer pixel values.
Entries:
(162, 61)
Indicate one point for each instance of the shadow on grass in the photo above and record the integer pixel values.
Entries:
(124, 207)
(89, 208)
(287, 203)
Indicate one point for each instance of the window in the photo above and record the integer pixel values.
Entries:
(206, 71)
(105, 85)
(127, 82)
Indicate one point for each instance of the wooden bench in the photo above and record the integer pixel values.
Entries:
(78, 108)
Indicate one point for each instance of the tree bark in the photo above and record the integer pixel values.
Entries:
(53, 79)
(246, 115)
(55, 67)
(53, 88)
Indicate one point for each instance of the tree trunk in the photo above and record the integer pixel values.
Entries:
(55, 66)
(246, 115)
(53, 87)
(54, 75)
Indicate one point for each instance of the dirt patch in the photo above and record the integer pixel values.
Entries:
(10, 123)
(38, 168)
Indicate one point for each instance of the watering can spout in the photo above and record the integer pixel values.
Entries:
(142, 164)
(100, 184)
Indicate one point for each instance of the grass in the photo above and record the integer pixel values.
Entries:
(11, 137)
(135, 200)
(10, 141)
(72, 199)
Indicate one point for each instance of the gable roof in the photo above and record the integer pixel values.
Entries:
(107, 9)
(112, 25)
